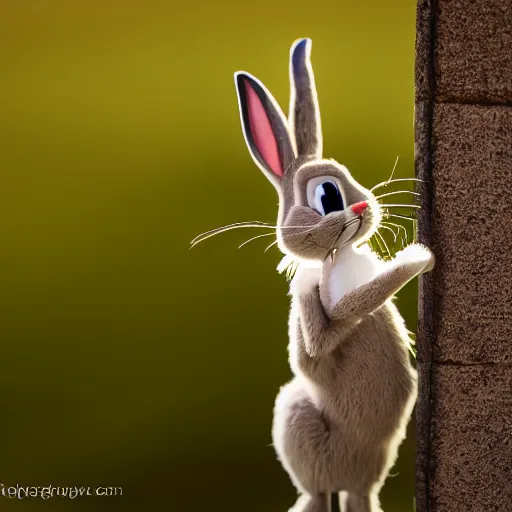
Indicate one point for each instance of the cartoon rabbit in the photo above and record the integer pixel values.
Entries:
(339, 422)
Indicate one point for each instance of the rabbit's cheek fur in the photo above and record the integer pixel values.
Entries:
(300, 242)
(304, 246)
(320, 234)
(348, 234)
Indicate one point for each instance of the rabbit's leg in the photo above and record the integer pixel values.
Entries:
(367, 503)
(316, 503)
(302, 440)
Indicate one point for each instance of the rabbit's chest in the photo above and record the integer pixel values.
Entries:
(349, 270)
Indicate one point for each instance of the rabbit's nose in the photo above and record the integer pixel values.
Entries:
(359, 208)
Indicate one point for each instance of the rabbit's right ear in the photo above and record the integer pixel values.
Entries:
(265, 127)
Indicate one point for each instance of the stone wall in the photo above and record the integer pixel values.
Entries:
(463, 130)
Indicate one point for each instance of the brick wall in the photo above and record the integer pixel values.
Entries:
(463, 125)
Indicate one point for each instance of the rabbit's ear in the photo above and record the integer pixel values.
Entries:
(304, 118)
(265, 127)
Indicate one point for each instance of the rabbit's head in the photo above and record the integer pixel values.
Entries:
(321, 207)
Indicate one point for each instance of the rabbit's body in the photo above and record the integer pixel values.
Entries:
(339, 422)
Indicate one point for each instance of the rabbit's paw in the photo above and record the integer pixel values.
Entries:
(305, 280)
(417, 254)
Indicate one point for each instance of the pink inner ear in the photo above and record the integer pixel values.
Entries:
(261, 131)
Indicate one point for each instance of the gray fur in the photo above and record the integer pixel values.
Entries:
(304, 118)
(339, 422)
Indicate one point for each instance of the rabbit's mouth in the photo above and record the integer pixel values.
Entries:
(348, 232)
(358, 226)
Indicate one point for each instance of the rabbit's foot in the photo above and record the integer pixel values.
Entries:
(307, 503)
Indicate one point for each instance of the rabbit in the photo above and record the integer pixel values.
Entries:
(338, 423)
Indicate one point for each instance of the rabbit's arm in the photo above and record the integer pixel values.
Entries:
(321, 334)
(366, 299)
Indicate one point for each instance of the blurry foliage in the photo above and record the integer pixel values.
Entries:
(127, 359)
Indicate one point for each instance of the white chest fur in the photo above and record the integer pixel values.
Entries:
(350, 269)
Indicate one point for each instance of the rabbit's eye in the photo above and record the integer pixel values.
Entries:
(324, 196)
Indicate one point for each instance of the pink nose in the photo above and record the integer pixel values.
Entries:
(359, 208)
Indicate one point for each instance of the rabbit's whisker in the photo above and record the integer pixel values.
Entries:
(383, 241)
(382, 245)
(399, 216)
(399, 228)
(380, 249)
(269, 246)
(254, 224)
(413, 206)
(236, 225)
(386, 183)
(372, 244)
(389, 229)
(394, 167)
(397, 192)
(218, 231)
(254, 238)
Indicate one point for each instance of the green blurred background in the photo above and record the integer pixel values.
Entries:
(126, 358)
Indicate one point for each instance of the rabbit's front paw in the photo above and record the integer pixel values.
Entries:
(305, 280)
(417, 254)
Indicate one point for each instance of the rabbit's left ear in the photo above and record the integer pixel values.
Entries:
(304, 118)
(265, 128)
